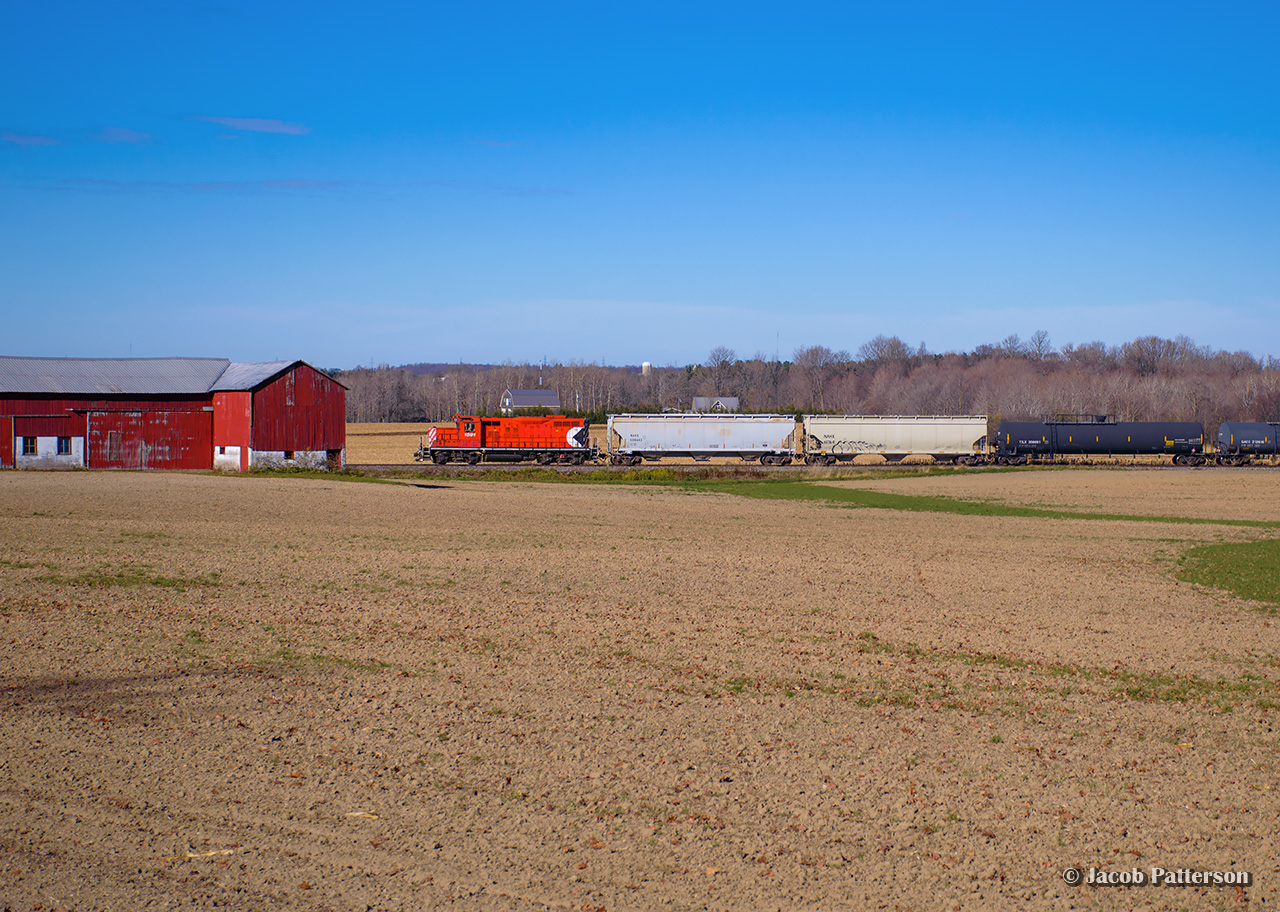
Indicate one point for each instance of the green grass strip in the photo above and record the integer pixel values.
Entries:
(1248, 569)
(131, 577)
(912, 503)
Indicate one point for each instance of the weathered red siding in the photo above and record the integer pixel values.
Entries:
(232, 418)
(301, 410)
(69, 425)
(233, 422)
(151, 440)
(6, 443)
(57, 405)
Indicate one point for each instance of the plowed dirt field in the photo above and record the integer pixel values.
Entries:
(289, 693)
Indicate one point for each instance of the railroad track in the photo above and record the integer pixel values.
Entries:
(459, 468)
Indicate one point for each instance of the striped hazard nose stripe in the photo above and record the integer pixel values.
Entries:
(431, 436)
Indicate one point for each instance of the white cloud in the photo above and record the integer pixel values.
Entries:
(255, 124)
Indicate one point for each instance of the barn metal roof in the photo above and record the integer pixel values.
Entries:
(109, 376)
(243, 375)
(133, 376)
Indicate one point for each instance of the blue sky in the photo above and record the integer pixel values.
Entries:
(618, 182)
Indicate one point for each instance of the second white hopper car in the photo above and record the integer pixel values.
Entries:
(835, 438)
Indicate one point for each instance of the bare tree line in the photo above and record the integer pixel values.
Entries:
(1147, 379)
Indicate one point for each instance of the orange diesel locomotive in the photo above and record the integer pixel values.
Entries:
(544, 439)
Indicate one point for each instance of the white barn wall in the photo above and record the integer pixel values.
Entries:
(47, 454)
(226, 458)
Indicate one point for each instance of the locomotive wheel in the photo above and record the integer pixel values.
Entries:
(439, 458)
(473, 458)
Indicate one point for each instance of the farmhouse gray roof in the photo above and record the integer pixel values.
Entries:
(715, 403)
(534, 398)
(132, 376)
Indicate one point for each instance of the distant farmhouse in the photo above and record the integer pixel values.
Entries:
(169, 413)
(514, 401)
(715, 403)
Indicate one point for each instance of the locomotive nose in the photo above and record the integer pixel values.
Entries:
(577, 437)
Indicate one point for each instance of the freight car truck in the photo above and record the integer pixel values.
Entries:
(1020, 441)
(829, 439)
(543, 439)
(1240, 441)
(771, 439)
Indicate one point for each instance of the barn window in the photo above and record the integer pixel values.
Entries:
(288, 454)
(222, 451)
(64, 446)
(28, 446)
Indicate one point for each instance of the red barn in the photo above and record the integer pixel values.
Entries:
(168, 413)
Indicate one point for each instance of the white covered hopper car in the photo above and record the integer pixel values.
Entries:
(834, 438)
(771, 439)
